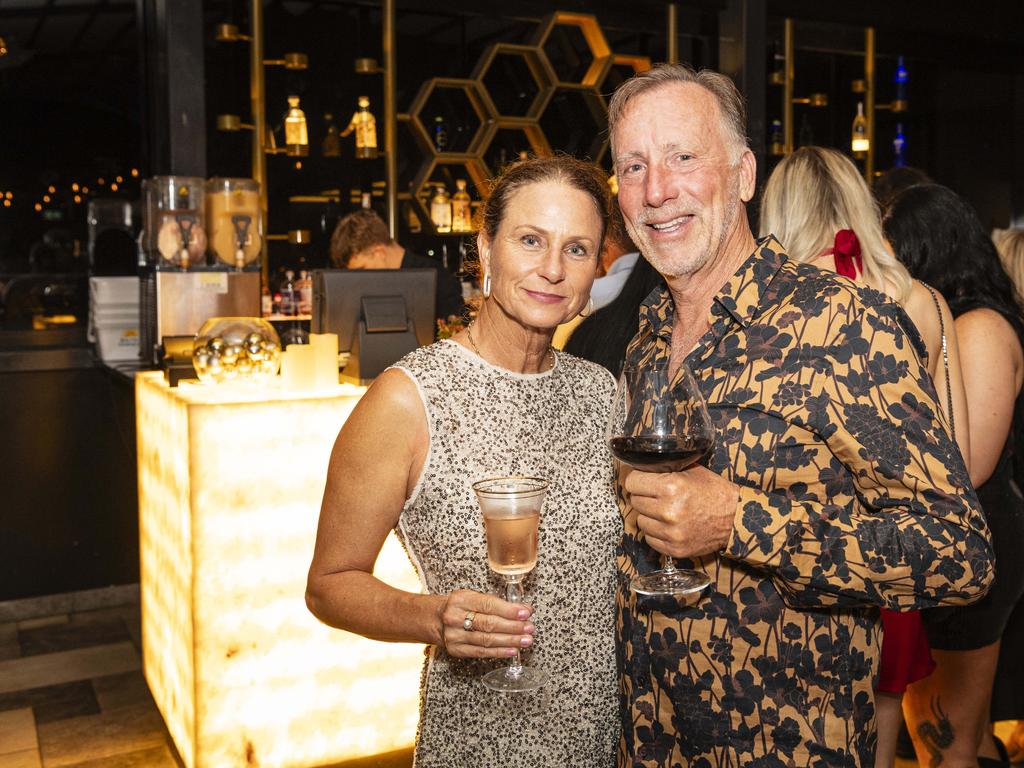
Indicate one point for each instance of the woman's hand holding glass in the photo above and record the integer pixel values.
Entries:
(482, 626)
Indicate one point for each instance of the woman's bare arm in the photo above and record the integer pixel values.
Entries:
(376, 460)
(992, 360)
(921, 308)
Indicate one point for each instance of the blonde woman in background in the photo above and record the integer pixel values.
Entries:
(1010, 244)
(1008, 691)
(818, 205)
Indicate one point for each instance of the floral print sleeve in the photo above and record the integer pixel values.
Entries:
(912, 535)
(852, 497)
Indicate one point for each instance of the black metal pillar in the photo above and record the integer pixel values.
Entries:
(1017, 178)
(174, 87)
(742, 54)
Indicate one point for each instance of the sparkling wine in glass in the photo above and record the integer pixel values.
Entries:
(660, 423)
(511, 512)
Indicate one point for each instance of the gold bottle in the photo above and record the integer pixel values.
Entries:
(365, 125)
(860, 143)
(462, 212)
(441, 209)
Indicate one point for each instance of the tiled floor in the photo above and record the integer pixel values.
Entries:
(72, 692)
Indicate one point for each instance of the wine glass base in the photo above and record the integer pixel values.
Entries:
(680, 583)
(529, 679)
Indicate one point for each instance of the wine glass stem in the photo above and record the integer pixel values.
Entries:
(514, 594)
(668, 564)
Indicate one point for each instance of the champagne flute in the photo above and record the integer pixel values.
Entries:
(511, 511)
(660, 423)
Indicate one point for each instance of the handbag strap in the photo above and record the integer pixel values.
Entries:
(945, 360)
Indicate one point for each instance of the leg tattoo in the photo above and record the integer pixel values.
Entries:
(937, 735)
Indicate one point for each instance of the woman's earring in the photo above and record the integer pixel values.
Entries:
(589, 309)
(487, 285)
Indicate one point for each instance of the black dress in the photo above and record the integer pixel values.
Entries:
(984, 622)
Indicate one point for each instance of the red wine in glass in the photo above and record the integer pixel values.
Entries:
(659, 453)
(660, 423)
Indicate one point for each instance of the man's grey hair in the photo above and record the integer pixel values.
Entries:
(730, 101)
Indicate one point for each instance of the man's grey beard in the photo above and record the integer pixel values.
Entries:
(654, 258)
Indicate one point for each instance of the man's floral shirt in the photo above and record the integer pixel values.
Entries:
(852, 496)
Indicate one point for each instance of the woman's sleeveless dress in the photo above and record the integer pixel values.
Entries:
(484, 422)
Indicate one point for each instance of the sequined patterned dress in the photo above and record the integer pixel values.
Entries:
(485, 421)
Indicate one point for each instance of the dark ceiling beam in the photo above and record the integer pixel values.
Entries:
(71, 9)
(84, 29)
(39, 24)
(85, 74)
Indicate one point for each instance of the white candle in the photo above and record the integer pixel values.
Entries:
(325, 352)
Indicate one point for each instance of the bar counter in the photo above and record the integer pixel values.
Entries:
(230, 483)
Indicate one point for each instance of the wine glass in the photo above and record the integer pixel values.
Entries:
(660, 423)
(511, 511)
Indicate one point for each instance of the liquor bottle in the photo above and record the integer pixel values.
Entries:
(441, 209)
(777, 141)
(776, 64)
(860, 143)
(366, 201)
(462, 214)
(288, 303)
(331, 146)
(365, 125)
(266, 302)
(440, 134)
(304, 288)
(900, 102)
(296, 136)
(899, 148)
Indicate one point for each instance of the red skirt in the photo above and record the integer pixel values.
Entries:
(906, 655)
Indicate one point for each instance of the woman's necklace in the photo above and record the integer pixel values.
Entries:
(472, 343)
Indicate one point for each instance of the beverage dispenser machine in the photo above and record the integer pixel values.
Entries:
(199, 255)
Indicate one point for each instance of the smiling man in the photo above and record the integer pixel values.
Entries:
(833, 487)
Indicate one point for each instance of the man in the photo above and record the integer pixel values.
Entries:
(361, 241)
(833, 487)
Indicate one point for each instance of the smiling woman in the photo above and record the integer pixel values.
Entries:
(495, 400)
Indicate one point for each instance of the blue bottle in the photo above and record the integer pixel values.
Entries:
(901, 86)
(899, 148)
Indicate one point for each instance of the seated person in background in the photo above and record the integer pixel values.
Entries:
(361, 241)
(618, 257)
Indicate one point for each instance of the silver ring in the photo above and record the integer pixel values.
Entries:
(467, 624)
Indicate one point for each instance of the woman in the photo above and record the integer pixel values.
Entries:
(938, 236)
(1008, 690)
(493, 400)
(818, 205)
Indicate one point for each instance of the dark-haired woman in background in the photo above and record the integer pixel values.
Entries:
(941, 241)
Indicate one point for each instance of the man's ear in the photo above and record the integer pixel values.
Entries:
(748, 175)
(379, 252)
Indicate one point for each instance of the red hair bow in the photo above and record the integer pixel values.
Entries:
(846, 251)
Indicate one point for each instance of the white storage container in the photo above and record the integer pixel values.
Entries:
(114, 290)
(117, 343)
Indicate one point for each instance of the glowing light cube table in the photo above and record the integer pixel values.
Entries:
(230, 483)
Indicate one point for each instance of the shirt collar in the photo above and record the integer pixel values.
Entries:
(740, 298)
